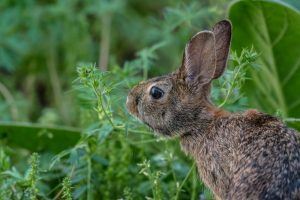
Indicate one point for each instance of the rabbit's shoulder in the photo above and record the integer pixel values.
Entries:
(260, 128)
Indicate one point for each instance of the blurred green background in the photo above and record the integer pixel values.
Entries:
(66, 67)
(43, 41)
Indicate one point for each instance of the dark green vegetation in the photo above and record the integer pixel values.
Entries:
(53, 102)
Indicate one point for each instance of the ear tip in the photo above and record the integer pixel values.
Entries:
(224, 24)
(203, 34)
(200, 38)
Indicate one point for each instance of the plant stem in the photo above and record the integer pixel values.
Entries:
(232, 85)
(194, 186)
(56, 85)
(183, 182)
(89, 175)
(60, 191)
(100, 102)
(144, 141)
(121, 128)
(105, 41)
(10, 101)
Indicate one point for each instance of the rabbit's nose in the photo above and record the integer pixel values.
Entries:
(130, 103)
(130, 100)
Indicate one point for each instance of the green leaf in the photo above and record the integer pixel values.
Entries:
(295, 3)
(36, 137)
(104, 131)
(273, 28)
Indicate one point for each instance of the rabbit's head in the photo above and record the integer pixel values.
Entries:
(174, 103)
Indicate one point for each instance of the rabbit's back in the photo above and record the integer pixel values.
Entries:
(267, 159)
(248, 155)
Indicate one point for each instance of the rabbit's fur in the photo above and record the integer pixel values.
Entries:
(248, 155)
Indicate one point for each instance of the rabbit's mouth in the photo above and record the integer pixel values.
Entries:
(160, 129)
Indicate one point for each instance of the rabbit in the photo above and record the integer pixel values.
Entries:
(245, 155)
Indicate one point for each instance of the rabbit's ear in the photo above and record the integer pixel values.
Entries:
(222, 32)
(199, 60)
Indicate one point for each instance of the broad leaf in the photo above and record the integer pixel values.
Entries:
(273, 28)
(36, 137)
(295, 3)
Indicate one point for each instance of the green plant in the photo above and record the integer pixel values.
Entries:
(32, 177)
(154, 178)
(66, 184)
(227, 89)
(276, 82)
(18, 186)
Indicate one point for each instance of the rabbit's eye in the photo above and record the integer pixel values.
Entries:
(156, 92)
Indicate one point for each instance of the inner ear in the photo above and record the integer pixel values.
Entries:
(199, 59)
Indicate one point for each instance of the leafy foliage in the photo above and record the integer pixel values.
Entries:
(227, 89)
(273, 36)
(279, 65)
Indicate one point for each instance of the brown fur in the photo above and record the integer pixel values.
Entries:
(248, 155)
